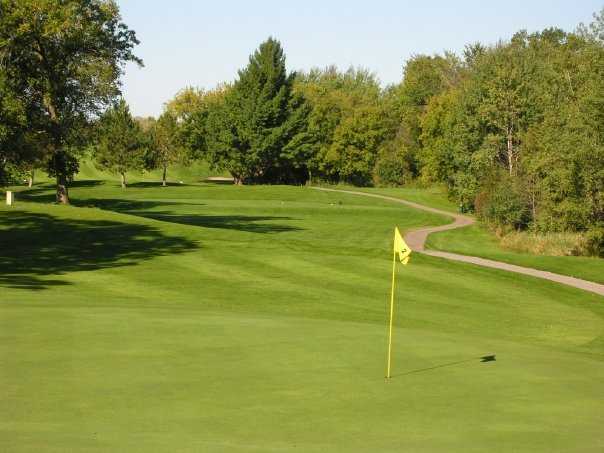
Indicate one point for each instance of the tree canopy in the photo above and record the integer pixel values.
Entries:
(120, 146)
(256, 131)
(63, 60)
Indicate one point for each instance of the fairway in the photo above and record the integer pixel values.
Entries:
(223, 318)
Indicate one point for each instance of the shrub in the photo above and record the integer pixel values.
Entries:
(503, 204)
(594, 240)
(393, 166)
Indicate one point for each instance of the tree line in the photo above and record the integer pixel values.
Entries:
(514, 130)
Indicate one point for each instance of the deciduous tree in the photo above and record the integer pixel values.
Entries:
(64, 58)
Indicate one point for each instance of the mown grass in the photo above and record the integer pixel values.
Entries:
(477, 240)
(189, 173)
(221, 318)
(434, 196)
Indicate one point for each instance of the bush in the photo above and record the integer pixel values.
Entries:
(393, 166)
(595, 241)
(503, 205)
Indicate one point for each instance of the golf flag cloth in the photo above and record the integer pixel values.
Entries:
(403, 251)
(401, 247)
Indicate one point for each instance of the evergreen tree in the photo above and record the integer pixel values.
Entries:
(257, 133)
(121, 144)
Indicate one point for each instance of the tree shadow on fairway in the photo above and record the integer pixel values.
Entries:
(33, 246)
(127, 206)
(84, 183)
(147, 184)
(45, 192)
(144, 208)
(230, 222)
(483, 359)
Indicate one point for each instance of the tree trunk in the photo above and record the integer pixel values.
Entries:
(30, 180)
(163, 179)
(510, 151)
(123, 180)
(532, 189)
(62, 192)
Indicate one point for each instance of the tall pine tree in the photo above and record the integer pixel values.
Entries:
(258, 133)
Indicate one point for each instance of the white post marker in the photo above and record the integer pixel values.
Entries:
(10, 198)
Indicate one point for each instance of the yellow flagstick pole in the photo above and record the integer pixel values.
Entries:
(391, 314)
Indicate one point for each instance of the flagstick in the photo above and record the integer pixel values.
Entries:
(391, 314)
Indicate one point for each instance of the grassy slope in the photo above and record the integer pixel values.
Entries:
(478, 241)
(192, 173)
(220, 318)
(434, 196)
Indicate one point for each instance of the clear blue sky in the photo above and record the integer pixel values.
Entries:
(202, 43)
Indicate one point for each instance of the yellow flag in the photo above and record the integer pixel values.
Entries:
(401, 247)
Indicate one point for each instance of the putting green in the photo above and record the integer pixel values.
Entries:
(218, 318)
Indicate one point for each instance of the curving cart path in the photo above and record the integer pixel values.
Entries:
(416, 239)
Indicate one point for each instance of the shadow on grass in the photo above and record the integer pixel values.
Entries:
(218, 182)
(126, 206)
(230, 222)
(144, 208)
(33, 246)
(85, 183)
(483, 359)
(147, 184)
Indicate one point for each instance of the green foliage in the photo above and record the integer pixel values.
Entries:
(257, 131)
(13, 130)
(394, 165)
(121, 144)
(356, 141)
(423, 78)
(63, 60)
(347, 123)
(531, 107)
(595, 241)
(504, 204)
(165, 145)
(67, 164)
(191, 108)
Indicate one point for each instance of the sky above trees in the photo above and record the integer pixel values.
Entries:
(187, 42)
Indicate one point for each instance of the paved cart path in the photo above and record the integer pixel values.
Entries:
(416, 239)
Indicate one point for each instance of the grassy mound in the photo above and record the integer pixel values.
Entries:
(223, 318)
